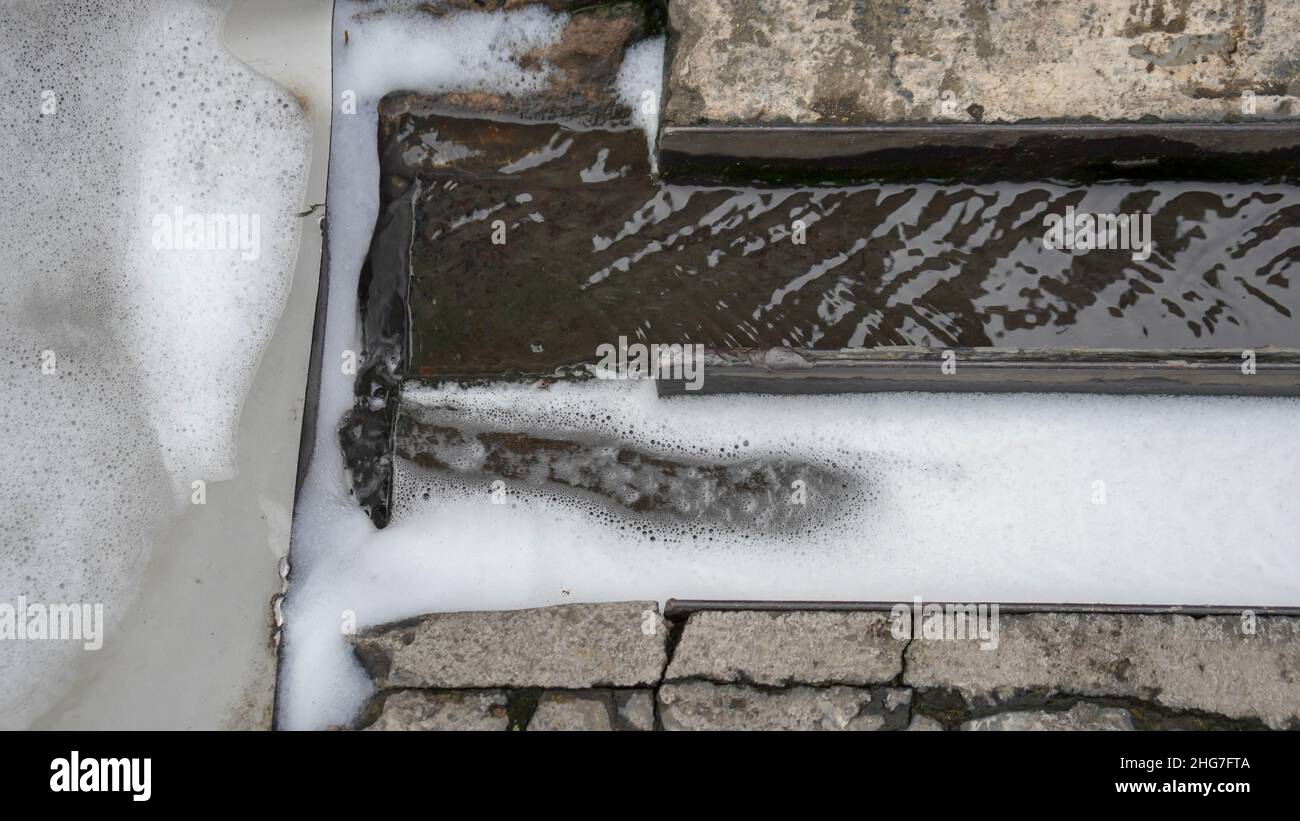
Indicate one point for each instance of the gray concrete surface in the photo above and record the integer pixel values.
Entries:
(621, 644)
(433, 710)
(761, 670)
(892, 61)
(602, 710)
(701, 705)
(1206, 664)
(788, 648)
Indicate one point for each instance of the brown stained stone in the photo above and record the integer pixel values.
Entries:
(583, 67)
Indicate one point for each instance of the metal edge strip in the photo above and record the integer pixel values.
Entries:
(675, 609)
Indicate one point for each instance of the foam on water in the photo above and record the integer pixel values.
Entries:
(398, 47)
(959, 497)
(966, 498)
(640, 86)
(113, 113)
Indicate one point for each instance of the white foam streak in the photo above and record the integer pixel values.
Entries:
(640, 86)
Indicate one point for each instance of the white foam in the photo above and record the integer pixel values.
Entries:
(966, 498)
(960, 497)
(640, 86)
(396, 49)
(153, 350)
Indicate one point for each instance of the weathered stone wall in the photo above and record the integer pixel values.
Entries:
(896, 61)
(621, 666)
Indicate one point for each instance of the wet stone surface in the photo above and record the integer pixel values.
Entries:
(582, 68)
(582, 64)
(590, 248)
(508, 249)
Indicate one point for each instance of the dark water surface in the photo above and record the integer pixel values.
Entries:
(506, 248)
(595, 248)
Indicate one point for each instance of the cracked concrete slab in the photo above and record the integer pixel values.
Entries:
(1211, 664)
(732, 670)
(788, 648)
(620, 644)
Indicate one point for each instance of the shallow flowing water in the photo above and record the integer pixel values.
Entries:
(529, 245)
